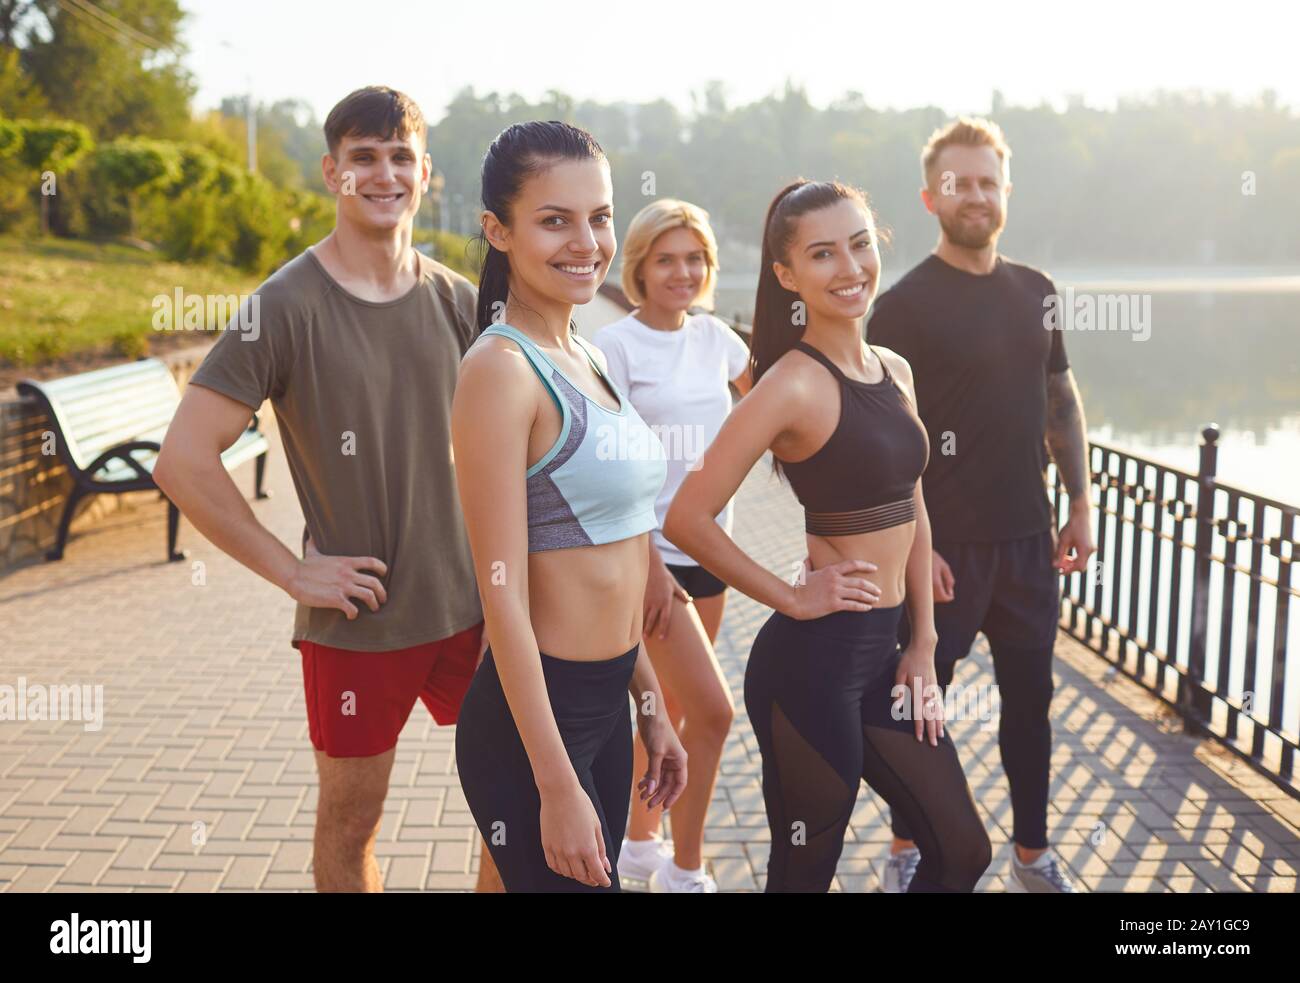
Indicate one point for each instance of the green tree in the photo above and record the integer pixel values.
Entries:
(19, 96)
(119, 72)
(11, 138)
(49, 148)
(131, 166)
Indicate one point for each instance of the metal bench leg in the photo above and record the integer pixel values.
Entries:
(260, 473)
(173, 525)
(65, 522)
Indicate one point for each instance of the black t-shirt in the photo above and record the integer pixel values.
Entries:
(980, 352)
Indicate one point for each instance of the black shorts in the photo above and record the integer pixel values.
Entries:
(696, 581)
(1009, 590)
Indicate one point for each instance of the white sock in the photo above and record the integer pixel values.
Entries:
(1043, 860)
(682, 872)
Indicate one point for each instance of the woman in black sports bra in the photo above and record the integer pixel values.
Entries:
(831, 698)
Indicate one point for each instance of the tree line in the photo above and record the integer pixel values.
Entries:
(105, 108)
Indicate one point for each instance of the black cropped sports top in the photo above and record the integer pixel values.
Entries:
(863, 478)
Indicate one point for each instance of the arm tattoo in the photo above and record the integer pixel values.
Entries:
(1067, 433)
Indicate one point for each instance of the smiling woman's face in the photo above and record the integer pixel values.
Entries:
(560, 239)
(834, 261)
(674, 269)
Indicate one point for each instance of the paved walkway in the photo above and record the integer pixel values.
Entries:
(202, 776)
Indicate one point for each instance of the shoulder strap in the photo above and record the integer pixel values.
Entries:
(803, 346)
(587, 351)
(888, 375)
(536, 358)
(601, 374)
(808, 349)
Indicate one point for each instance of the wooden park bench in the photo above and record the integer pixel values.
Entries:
(108, 428)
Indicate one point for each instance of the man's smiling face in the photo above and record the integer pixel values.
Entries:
(378, 183)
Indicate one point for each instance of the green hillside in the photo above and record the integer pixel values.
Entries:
(61, 297)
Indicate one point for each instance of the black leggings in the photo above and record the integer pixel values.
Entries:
(818, 697)
(590, 703)
(1011, 592)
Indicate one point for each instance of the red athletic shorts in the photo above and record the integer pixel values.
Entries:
(358, 702)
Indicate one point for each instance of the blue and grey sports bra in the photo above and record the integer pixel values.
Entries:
(599, 480)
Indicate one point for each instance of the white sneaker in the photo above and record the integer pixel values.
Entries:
(899, 870)
(1046, 875)
(638, 859)
(671, 879)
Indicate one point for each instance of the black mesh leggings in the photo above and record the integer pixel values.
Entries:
(818, 697)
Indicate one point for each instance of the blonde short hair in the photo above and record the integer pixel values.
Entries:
(648, 225)
(967, 131)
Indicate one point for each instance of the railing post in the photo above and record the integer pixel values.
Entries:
(1189, 700)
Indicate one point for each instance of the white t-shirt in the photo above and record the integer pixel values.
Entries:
(677, 381)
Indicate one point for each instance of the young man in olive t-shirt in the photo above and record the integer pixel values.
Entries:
(356, 342)
(992, 384)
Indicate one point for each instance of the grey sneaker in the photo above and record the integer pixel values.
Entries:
(1050, 878)
(899, 870)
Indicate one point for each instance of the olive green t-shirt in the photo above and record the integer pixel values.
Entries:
(362, 395)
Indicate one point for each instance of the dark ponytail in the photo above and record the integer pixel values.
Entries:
(493, 284)
(776, 328)
(519, 152)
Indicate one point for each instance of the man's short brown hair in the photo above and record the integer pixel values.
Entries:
(967, 131)
(375, 111)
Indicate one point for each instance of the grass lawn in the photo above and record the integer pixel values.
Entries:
(62, 297)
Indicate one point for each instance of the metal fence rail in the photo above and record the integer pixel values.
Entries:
(1192, 595)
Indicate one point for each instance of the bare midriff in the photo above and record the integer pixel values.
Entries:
(887, 548)
(585, 602)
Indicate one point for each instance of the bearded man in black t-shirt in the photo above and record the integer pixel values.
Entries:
(992, 385)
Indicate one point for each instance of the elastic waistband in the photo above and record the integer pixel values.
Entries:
(552, 663)
(860, 520)
(876, 623)
(583, 689)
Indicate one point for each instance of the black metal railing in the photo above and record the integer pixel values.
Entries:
(1192, 595)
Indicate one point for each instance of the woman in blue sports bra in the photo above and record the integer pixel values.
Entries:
(558, 478)
(831, 698)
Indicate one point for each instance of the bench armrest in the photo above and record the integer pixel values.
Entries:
(123, 452)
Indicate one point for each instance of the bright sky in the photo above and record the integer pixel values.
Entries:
(898, 54)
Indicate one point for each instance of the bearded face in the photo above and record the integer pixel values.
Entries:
(968, 190)
(974, 226)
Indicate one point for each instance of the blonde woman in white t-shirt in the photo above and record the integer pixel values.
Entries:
(675, 368)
